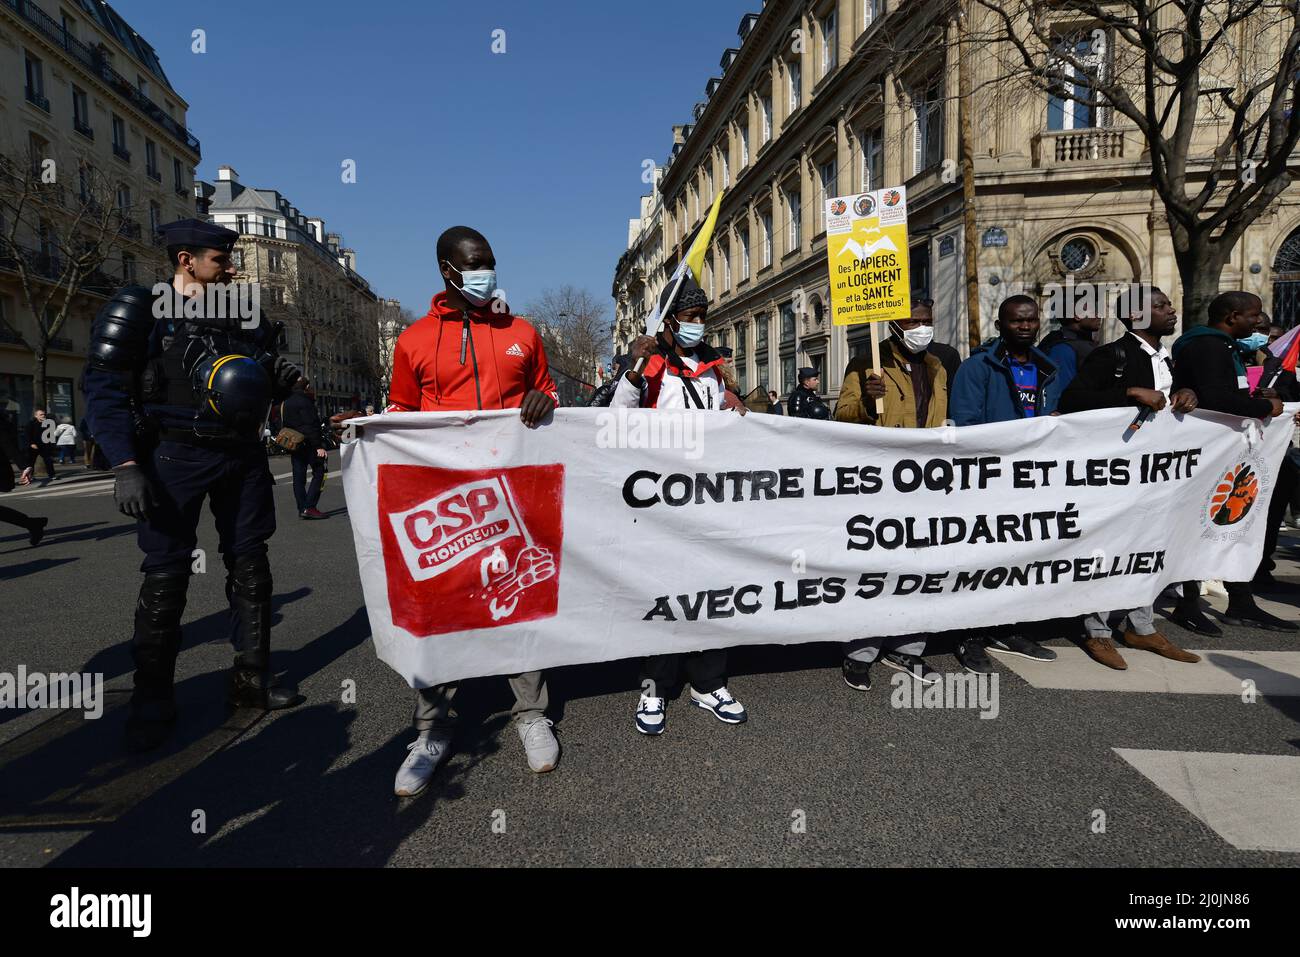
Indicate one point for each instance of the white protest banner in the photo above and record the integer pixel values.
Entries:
(488, 548)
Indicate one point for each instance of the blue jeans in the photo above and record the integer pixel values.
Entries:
(306, 496)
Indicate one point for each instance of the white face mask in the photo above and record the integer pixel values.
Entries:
(479, 286)
(917, 340)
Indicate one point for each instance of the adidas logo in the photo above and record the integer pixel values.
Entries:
(515, 351)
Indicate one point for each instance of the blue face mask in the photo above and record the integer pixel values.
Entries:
(1254, 343)
(689, 334)
(479, 284)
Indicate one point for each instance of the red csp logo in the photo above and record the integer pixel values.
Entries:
(470, 549)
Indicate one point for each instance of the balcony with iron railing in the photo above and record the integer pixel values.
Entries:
(128, 228)
(121, 152)
(93, 59)
(1062, 147)
(84, 129)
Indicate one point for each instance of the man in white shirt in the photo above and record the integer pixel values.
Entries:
(1133, 371)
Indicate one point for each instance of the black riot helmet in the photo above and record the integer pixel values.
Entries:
(233, 390)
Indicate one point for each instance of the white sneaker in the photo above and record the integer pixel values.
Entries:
(1213, 588)
(428, 751)
(724, 707)
(539, 744)
(650, 715)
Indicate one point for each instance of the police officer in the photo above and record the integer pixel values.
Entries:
(179, 381)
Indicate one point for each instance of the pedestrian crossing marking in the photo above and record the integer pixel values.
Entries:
(1222, 671)
(1252, 801)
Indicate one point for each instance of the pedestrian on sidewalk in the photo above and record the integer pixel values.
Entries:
(65, 438)
(681, 372)
(298, 412)
(1134, 371)
(39, 438)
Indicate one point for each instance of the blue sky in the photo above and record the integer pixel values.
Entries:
(540, 147)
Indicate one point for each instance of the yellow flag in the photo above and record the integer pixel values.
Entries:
(695, 258)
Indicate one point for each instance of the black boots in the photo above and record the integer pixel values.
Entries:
(154, 645)
(250, 685)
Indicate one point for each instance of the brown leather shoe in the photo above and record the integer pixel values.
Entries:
(1160, 645)
(1103, 651)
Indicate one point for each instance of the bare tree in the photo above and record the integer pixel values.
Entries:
(1209, 86)
(574, 330)
(57, 235)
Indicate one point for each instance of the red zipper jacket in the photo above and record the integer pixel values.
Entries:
(504, 360)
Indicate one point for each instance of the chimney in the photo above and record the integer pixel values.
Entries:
(679, 135)
(317, 228)
(227, 174)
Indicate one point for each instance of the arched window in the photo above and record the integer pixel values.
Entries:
(1286, 282)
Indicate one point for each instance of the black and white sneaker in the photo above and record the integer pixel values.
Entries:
(1021, 648)
(857, 674)
(912, 665)
(650, 715)
(972, 657)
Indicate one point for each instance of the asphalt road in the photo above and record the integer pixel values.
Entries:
(821, 774)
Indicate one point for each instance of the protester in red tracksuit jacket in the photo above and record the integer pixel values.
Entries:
(469, 353)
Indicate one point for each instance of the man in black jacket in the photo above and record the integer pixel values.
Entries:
(299, 413)
(805, 403)
(1134, 370)
(39, 437)
(1208, 360)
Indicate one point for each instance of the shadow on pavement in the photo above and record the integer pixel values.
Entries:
(11, 572)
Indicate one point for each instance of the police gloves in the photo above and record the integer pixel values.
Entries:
(132, 491)
(285, 373)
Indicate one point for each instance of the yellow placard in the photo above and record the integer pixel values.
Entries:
(866, 247)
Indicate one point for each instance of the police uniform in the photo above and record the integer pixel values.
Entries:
(182, 390)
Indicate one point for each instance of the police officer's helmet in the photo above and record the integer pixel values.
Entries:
(234, 389)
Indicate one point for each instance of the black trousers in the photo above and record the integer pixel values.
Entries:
(14, 517)
(46, 454)
(304, 495)
(705, 670)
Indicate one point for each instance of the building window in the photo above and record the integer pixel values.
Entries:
(744, 254)
(80, 112)
(826, 181)
(796, 84)
(794, 207)
(1077, 255)
(872, 10)
(726, 166)
(1075, 83)
(155, 218)
(873, 159)
(788, 372)
(760, 332)
(766, 102)
(237, 257)
(86, 182)
(119, 139)
(241, 224)
(828, 43)
(38, 147)
(268, 227)
(275, 260)
(927, 113)
(123, 198)
(128, 267)
(787, 322)
(765, 222)
(178, 176)
(744, 143)
(36, 82)
(151, 160)
(726, 266)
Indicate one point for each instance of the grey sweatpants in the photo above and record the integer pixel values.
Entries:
(433, 706)
(1140, 621)
(867, 650)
